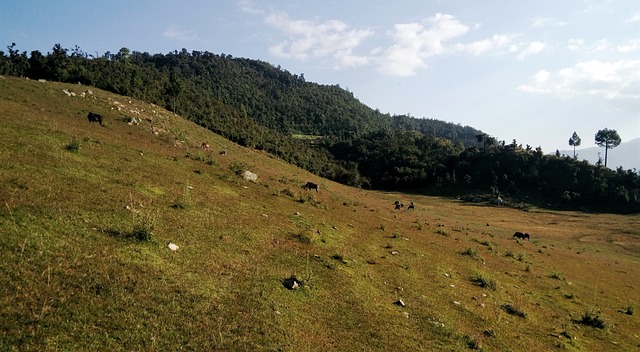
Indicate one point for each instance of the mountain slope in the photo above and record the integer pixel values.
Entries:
(89, 210)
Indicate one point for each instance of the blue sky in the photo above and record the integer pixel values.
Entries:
(534, 71)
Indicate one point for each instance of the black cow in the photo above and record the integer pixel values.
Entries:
(521, 235)
(310, 185)
(411, 206)
(93, 117)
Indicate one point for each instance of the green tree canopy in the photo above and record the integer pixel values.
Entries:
(575, 142)
(608, 139)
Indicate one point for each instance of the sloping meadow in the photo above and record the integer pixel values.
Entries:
(89, 211)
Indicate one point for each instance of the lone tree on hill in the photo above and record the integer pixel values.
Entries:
(575, 142)
(608, 139)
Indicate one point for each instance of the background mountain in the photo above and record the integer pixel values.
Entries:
(626, 155)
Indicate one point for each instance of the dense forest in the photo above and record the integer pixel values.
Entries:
(326, 130)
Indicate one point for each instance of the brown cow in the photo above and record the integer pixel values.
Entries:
(204, 145)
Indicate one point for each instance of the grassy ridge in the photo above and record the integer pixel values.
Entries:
(77, 275)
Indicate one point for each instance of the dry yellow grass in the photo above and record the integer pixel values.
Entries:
(72, 279)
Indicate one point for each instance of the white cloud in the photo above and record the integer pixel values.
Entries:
(415, 42)
(532, 49)
(579, 45)
(330, 39)
(498, 44)
(177, 33)
(630, 46)
(615, 82)
(547, 22)
(634, 18)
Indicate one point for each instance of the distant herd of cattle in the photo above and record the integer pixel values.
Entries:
(93, 117)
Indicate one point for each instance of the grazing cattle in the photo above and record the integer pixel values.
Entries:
(520, 235)
(399, 205)
(411, 206)
(93, 117)
(223, 152)
(310, 185)
(204, 145)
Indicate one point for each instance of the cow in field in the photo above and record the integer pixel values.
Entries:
(310, 185)
(204, 145)
(520, 235)
(93, 117)
(398, 205)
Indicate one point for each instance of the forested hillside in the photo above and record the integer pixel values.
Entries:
(327, 131)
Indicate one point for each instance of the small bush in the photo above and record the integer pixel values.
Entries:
(556, 275)
(339, 258)
(482, 280)
(509, 308)
(141, 233)
(593, 320)
(238, 167)
(73, 146)
(442, 232)
(472, 252)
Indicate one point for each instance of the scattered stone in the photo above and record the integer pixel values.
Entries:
(456, 303)
(249, 176)
(172, 246)
(399, 303)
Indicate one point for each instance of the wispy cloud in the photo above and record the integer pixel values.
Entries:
(634, 18)
(306, 39)
(531, 49)
(610, 81)
(498, 44)
(411, 48)
(541, 22)
(631, 45)
(580, 45)
(175, 32)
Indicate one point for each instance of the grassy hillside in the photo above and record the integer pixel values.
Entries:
(88, 211)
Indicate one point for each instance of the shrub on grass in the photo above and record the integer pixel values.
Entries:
(482, 280)
(73, 146)
(593, 320)
(556, 275)
(472, 252)
(509, 308)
